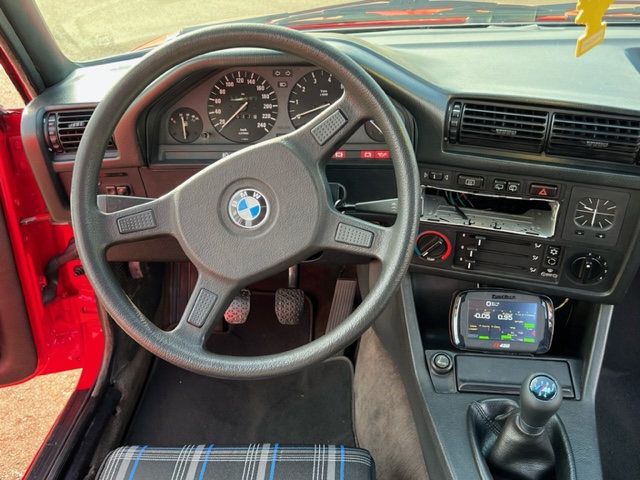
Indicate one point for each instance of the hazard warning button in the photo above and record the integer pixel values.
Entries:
(538, 190)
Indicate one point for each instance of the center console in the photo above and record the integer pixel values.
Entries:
(543, 232)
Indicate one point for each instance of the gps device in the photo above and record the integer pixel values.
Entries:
(501, 321)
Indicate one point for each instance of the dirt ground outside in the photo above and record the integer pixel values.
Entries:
(27, 413)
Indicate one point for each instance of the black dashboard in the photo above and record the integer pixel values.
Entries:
(528, 157)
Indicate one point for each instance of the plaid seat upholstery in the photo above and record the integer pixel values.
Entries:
(253, 462)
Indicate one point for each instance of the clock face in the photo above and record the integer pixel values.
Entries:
(595, 213)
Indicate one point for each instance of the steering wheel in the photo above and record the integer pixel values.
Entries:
(250, 215)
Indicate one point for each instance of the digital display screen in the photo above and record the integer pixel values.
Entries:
(502, 321)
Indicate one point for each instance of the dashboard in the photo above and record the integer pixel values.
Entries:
(529, 161)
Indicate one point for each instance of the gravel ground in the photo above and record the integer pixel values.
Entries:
(27, 413)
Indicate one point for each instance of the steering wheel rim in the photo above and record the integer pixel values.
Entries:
(258, 168)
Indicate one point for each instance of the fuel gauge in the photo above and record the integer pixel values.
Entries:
(185, 125)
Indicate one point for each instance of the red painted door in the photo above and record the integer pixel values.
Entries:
(48, 315)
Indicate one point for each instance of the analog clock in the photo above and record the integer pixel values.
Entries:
(596, 213)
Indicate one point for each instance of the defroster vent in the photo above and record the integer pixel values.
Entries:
(494, 125)
(609, 138)
(64, 129)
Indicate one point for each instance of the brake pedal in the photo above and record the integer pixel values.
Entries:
(290, 301)
(239, 310)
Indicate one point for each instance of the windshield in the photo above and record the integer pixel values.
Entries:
(89, 30)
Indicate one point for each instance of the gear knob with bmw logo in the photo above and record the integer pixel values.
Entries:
(540, 399)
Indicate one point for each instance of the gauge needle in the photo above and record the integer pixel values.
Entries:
(184, 127)
(324, 105)
(377, 127)
(242, 107)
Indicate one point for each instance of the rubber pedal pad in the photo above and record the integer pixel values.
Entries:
(342, 304)
(289, 305)
(240, 307)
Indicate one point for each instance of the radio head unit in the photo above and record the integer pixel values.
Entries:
(501, 321)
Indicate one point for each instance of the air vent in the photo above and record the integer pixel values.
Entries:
(65, 129)
(614, 139)
(508, 127)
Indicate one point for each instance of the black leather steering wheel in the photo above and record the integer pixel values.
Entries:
(252, 214)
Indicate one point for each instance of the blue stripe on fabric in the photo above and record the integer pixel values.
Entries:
(204, 462)
(273, 462)
(341, 462)
(135, 463)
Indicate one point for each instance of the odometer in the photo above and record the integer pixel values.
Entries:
(242, 106)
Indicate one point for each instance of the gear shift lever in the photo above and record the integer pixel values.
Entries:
(540, 399)
(523, 450)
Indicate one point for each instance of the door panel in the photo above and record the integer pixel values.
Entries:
(18, 357)
(65, 333)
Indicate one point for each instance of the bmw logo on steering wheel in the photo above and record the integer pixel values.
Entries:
(248, 208)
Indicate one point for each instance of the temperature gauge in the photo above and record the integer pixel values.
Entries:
(185, 125)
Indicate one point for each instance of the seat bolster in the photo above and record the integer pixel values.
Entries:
(255, 462)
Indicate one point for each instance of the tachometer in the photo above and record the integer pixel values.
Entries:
(311, 94)
(242, 106)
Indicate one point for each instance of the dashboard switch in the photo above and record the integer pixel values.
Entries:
(543, 190)
(513, 187)
(441, 363)
(123, 190)
(499, 185)
(469, 181)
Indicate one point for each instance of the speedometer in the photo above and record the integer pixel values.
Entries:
(311, 94)
(242, 106)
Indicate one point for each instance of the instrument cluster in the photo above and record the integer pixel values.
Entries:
(245, 105)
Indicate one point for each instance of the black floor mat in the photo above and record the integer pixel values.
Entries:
(262, 334)
(308, 407)
(618, 393)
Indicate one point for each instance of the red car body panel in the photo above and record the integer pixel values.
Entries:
(66, 332)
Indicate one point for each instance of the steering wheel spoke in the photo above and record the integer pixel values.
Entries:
(139, 222)
(206, 306)
(322, 136)
(353, 235)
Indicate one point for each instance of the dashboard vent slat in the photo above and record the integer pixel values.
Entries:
(64, 130)
(509, 127)
(609, 138)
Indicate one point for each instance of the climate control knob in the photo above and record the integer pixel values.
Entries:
(589, 268)
(432, 245)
